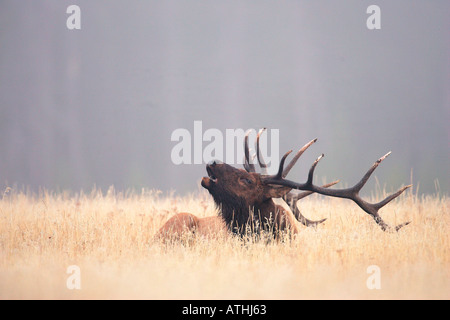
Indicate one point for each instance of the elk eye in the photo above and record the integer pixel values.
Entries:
(247, 181)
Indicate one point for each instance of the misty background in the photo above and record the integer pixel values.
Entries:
(97, 106)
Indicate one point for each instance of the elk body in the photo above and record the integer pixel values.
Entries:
(246, 199)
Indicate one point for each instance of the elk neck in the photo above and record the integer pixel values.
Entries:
(238, 214)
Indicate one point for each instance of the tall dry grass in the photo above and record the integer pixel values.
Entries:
(110, 237)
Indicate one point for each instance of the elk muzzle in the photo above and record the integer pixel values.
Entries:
(211, 179)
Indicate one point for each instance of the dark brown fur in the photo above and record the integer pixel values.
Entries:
(244, 202)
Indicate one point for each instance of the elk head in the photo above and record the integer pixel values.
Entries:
(242, 196)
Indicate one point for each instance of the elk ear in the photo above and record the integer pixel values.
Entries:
(275, 191)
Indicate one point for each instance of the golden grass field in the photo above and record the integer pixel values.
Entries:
(110, 238)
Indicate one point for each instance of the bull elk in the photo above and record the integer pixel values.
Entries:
(248, 201)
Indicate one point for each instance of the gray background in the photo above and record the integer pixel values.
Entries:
(97, 106)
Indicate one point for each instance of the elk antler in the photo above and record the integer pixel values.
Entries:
(348, 193)
(290, 198)
(250, 167)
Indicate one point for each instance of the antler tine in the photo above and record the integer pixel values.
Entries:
(402, 225)
(296, 157)
(248, 165)
(366, 177)
(311, 170)
(259, 156)
(292, 203)
(292, 199)
(388, 199)
(349, 193)
(279, 175)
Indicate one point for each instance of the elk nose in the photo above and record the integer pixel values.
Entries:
(212, 163)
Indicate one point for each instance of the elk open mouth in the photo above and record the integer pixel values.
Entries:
(208, 181)
(211, 175)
